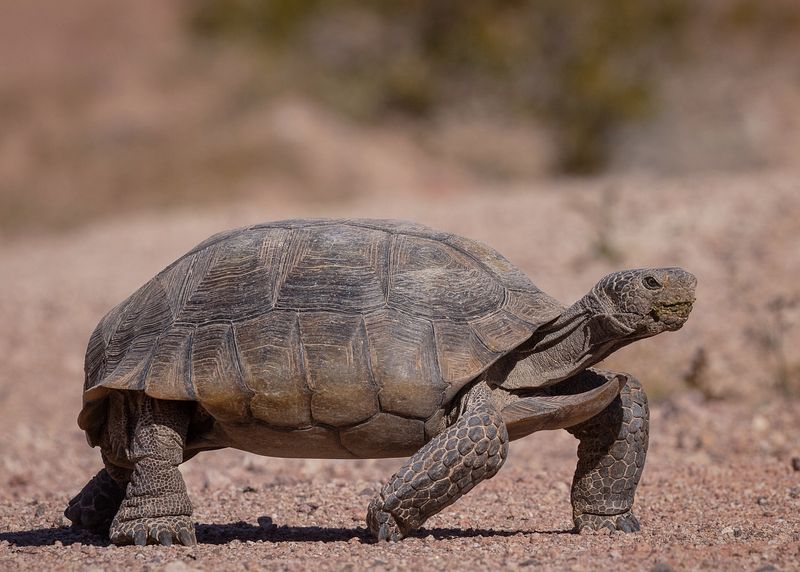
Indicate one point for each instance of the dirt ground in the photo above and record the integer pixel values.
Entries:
(719, 490)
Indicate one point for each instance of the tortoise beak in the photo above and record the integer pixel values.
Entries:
(676, 300)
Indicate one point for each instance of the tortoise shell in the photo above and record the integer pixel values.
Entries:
(316, 323)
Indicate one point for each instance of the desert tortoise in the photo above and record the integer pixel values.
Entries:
(363, 339)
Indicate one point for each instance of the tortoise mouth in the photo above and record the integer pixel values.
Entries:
(672, 315)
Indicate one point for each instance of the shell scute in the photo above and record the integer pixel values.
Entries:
(500, 331)
(461, 353)
(532, 306)
(341, 270)
(170, 373)
(431, 280)
(237, 274)
(403, 358)
(337, 365)
(272, 365)
(216, 376)
(384, 435)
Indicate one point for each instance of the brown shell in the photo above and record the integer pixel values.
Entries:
(310, 323)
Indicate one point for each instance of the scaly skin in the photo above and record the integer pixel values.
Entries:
(156, 508)
(611, 456)
(470, 451)
(95, 506)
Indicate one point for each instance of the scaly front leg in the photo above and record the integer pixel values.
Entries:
(470, 451)
(611, 455)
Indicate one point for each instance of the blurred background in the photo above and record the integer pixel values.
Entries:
(576, 138)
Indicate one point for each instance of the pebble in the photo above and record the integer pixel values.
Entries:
(796, 463)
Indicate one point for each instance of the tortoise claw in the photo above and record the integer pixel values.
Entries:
(388, 533)
(186, 537)
(164, 531)
(165, 538)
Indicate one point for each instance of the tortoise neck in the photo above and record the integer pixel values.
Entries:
(565, 346)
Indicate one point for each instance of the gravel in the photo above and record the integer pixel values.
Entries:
(720, 489)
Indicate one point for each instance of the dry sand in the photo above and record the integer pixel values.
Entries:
(719, 490)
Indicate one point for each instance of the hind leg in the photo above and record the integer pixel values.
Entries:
(95, 506)
(611, 455)
(156, 508)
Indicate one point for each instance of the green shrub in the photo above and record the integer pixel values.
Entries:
(585, 68)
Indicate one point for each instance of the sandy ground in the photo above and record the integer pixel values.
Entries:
(719, 490)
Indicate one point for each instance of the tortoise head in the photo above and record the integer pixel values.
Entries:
(644, 302)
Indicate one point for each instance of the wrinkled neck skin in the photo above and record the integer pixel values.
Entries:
(580, 337)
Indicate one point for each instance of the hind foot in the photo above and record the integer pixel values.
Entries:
(95, 506)
(626, 522)
(164, 530)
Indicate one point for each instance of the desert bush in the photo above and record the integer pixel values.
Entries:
(585, 68)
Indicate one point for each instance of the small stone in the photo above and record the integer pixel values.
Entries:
(307, 508)
(727, 530)
(266, 523)
(794, 492)
(796, 463)
(762, 501)
(661, 567)
(39, 510)
(760, 423)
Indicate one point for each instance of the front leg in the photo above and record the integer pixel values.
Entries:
(611, 456)
(470, 451)
(156, 508)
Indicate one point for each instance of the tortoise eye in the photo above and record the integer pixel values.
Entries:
(651, 283)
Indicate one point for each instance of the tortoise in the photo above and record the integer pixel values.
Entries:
(359, 338)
